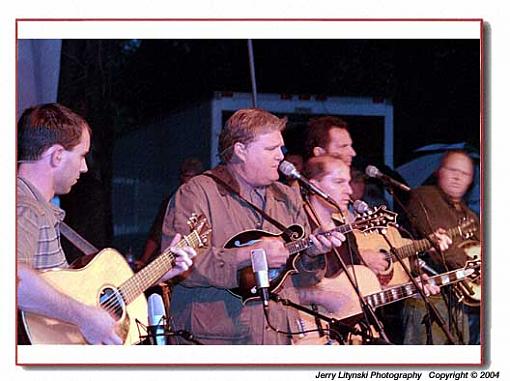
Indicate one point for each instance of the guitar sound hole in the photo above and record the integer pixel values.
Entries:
(111, 301)
(387, 258)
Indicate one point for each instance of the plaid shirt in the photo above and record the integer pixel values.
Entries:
(37, 229)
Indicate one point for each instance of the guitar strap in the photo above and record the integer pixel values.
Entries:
(77, 240)
(270, 219)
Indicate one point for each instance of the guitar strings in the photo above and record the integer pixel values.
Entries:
(136, 285)
(130, 288)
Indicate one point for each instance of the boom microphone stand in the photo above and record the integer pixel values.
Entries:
(365, 307)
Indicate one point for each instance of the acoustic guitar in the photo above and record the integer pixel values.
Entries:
(350, 313)
(471, 289)
(107, 281)
(394, 273)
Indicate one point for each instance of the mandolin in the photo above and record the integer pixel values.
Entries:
(296, 242)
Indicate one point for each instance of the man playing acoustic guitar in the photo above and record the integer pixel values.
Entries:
(52, 144)
(334, 293)
(431, 206)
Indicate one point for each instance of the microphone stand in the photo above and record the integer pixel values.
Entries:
(184, 334)
(368, 311)
(168, 330)
(432, 310)
(149, 338)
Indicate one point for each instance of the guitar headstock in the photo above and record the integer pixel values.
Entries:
(200, 231)
(377, 218)
(473, 268)
(467, 227)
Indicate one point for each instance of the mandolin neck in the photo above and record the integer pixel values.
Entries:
(304, 243)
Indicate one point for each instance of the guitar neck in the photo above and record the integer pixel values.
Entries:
(420, 245)
(303, 244)
(146, 277)
(404, 291)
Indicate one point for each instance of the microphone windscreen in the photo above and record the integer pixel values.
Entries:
(360, 206)
(372, 171)
(156, 309)
(287, 168)
(260, 267)
(258, 260)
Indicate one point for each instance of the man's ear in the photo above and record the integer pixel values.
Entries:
(318, 151)
(55, 154)
(240, 151)
(315, 182)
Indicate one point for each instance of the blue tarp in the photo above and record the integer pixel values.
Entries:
(420, 170)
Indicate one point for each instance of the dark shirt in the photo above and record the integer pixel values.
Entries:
(430, 208)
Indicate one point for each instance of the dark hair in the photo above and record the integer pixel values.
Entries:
(42, 126)
(317, 134)
(243, 126)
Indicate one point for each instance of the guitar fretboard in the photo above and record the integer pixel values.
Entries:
(407, 290)
(421, 245)
(146, 277)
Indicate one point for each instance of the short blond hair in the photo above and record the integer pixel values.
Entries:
(244, 126)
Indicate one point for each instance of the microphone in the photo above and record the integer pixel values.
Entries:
(156, 320)
(426, 267)
(372, 171)
(259, 267)
(288, 169)
(360, 206)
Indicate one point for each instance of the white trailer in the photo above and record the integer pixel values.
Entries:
(146, 161)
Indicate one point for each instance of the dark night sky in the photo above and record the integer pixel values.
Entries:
(434, 85)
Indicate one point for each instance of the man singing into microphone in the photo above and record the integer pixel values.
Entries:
(250, 147)
(329, 135)
(331, 175)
